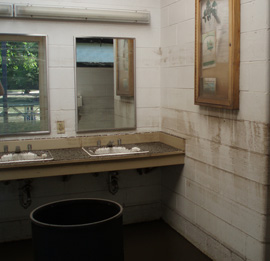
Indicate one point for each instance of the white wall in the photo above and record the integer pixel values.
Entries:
(61, 56)
(219, 199)
(140, 195)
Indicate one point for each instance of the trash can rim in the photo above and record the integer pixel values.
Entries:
(79, 225)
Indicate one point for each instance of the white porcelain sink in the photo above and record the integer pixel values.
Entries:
(24, 157)
(112, 151)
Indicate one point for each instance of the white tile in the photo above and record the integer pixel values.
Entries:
(148, 57)
(254, 76)
(145, 38)
(60, 100)
(61, 56)
(190, 54)
(238, 216)
(222, 231)
(177, 12)
(255, 250)
(246, 135)
(148, 117)
(9, 191)
(170, 77)
(164, 17)
(207, 176)
(173, 56)
(12, 231)
(244, 164)
(255, 15)
(186, 77)
(177, 180)
(189, 9)
(61, 78)
(197, 237)
(142, 195)
(217, 251)
(253, 106)
(186, 208)
(148, 98)
(244, 79)
(169, 36)
(254, 46)
(148, 78)
(249, 221)
(208, 222)
(168, 117)
(131, 178)
(186, 31)
(168, 198)
(175, 221)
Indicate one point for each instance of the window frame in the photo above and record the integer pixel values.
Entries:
(44, 102)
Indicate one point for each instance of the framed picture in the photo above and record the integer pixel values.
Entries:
(124, 67)
(217, 53)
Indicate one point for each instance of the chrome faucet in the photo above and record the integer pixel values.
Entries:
(110, 143)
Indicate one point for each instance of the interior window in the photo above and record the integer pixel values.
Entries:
(23, 85)
(95, 52)
(105, 84)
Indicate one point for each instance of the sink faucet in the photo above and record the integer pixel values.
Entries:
(110, 143)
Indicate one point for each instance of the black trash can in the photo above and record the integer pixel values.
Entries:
(78, 229)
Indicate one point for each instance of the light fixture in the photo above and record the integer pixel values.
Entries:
(6, 10)
(86, 14)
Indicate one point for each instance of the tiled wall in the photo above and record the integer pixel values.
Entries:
(219, 199)
(140, 195)
(61, 57)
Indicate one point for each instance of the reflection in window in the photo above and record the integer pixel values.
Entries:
(23, 76)
(95, 52)
(105, 84)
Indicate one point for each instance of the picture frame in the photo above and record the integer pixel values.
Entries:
(217, 53)
(124, 67)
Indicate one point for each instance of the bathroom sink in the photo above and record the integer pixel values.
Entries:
(25, 157)
(113, 151)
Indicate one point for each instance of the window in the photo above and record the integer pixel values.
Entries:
(23, 76)
(105, 84)
(95, 52)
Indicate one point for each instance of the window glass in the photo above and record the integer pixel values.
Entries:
(94, 52)
(23, 88)
(105, 84)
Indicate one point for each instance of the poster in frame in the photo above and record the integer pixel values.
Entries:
(217, 53)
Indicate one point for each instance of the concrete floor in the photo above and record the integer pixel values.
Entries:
(142, 242)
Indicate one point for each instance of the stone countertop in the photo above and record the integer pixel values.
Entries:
(74, 160)
(73, 155)
(153, 148)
